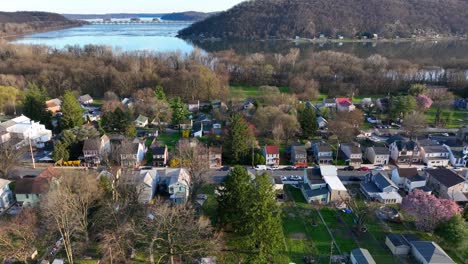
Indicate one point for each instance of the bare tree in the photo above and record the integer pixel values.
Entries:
(66, 207)
(194, 156)
(10, 157)
(176, 232)
(19, 237)
(414, 123)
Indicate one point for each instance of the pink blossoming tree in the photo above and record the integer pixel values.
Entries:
(427, 210)
(423, 101)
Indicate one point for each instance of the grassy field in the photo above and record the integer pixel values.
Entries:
(459, 117)
(169, 139)
(244, 92)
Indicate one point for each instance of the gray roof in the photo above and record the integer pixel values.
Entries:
(362, 256)
(382, 182)
(435, 149)
(431, 252)
(416, 178)
(381, 150)
(92, 144)
(446, 177)
(402, 239)
(315, 192)
(300, 150)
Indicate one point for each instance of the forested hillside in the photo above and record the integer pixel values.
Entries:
(186, 16)
(260, 19)
(17, 23)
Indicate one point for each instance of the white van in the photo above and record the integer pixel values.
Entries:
(260, 167)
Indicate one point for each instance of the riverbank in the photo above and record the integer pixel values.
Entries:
(11, 37)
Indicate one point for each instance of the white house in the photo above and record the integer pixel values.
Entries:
(353, 154)
(141, 121)
(399, 175)
(404, 152)
(85, 99)
(6, 196)
(435, 155)
(457, 157)
(380, 188)
(133, 155)
(193, 106)
(272, 155)
(344, 105)
(416, 182)
(378, 155)
(147, 183)
(23, 128)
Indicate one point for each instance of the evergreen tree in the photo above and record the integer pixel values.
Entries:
(159, 93)
(240, 140)
(308, 121)
(72, 112)
(179, 110)
(266, 236)
(34, 105)
(60, 152)
(234, 199)
(119, 121)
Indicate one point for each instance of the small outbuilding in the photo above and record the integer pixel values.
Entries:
(429, 252)
(361, 256)
(399, 244)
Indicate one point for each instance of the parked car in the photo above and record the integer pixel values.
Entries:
(349, 168)
(364, 169)
(225, 168)
(260, 167)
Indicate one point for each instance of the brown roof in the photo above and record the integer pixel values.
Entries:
(92, 144)
(407, 172)
(37, 185)
(446, 177)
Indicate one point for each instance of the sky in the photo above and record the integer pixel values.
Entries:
(116, 6)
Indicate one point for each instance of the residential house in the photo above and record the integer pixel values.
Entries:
(329, 102)
(458, 156)
(353, 154)
(380, 188)
(435, 155)
(272, 155)
(193, 106)
(314, 189)
(160, 155)
(147, 182)
(299, 156)
(416, 182)
(378, 155)
(179, 185)
(399, 244)
(322, 123)
(29, 190)
(215, 157)
(85, 99)
(95, 150)
(399, 175)
(447, 184)
(53, 105)
(323, 153)
(404, 152)
(361, 256)
(462, 134)
(132, 154)
(429, 252)
(344, 105)
(141, 121)
(128, 103)
(4, 137)
(25, 129)
(6, 196)
(337, 191)
(217, 130)
(383, 104)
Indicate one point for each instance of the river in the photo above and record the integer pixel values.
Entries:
(161, 37)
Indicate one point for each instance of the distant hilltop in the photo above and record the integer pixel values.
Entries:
(287, 19)
(18, 23)
(181, 16)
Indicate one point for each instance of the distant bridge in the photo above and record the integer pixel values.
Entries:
(124, 22)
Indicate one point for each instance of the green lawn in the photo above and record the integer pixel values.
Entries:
(459, 117)
(245, 91)
(169, 139)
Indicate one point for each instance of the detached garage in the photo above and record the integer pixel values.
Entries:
(399, 244)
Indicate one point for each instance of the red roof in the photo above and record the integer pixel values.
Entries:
(343, 101)
(272, 150)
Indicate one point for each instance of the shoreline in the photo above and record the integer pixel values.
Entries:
(13, 37)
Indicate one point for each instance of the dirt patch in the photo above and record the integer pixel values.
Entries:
(297, 236)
